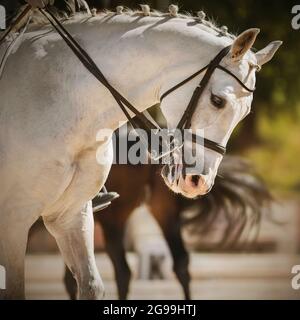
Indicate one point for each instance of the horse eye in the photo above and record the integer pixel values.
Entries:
(217, 101)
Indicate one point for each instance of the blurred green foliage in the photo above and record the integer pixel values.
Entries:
(277, 157)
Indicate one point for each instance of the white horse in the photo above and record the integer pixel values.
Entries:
(52, 108)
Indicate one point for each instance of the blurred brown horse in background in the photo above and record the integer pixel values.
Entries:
(238, 194)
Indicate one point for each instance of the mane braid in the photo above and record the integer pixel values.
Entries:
(145, 11)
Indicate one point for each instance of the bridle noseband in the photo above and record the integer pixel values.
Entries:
(140, 120)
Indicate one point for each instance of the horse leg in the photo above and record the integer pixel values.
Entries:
(116, 252)
(13, 242)
(74, 234)
(179, 254)
(167, 215)
(114, 237)
(70, 284)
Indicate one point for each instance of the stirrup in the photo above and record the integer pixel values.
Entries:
(104, 199)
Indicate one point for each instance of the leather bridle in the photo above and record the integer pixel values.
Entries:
(141, 120)
(185, 121)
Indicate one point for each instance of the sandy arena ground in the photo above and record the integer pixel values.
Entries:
(215, 276)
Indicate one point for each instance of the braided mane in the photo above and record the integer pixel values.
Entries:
(200, 18)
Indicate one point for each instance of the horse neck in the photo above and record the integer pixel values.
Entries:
(143, 57)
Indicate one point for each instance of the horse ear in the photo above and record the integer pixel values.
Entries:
(265, 55)
(243, 43)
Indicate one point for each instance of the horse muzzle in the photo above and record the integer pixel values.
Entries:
(189, 185)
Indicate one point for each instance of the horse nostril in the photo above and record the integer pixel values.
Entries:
(173, 171)
(195, 179)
